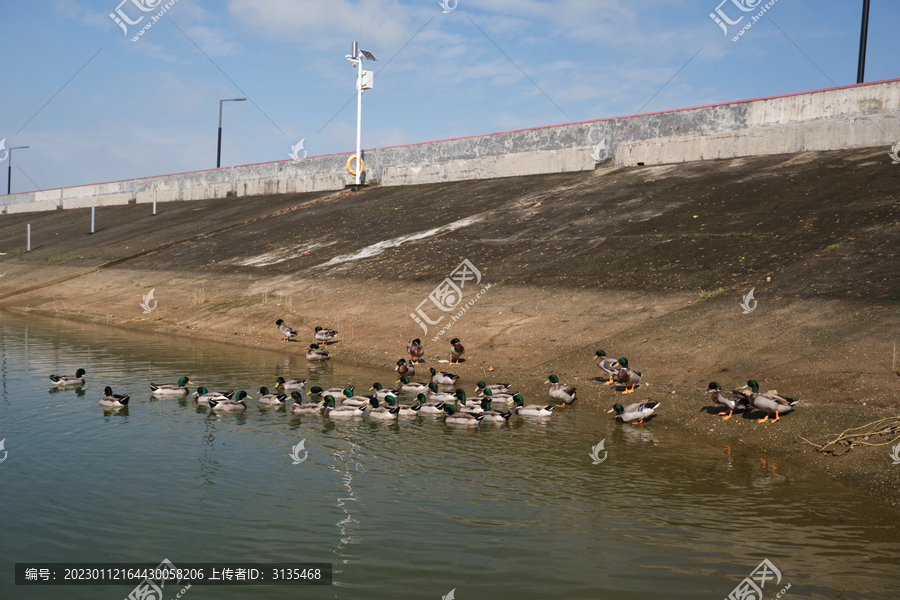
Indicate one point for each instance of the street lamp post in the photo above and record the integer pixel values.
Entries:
(219, 149)
(363, 82)
(9, 174)
(863, 35)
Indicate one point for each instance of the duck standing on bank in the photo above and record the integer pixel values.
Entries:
(627, 376)
(323, 334)
(456, 351)
(286, 332)
(609, 366)
(731, 399)
(770, 402)
(416, 350)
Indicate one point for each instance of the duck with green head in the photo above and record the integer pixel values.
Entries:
(531, 410)
(467, 406)
(203, 396)
(308, 408)
(437, 395)
(332, 391)
(610, 366)
(443, 378)
(235, 404)
(770, 402)
(405, 367)
(266, 398)
(635, 412)
(429, 408)
(406, 410)
(351, 400)
(412, 386)
(382, 392)
(390, 412)
(560, 391)
(289, 384)
(452, 417)
(731, 399)
(498, 398)
(627, 376)
(493, 416)
(503, 388)
(342, 412)
(172, 389)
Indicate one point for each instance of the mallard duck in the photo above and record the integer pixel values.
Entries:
(412, 386)
(416, 350)
(460, 396)
(334, 391)
(456, 351)
(324, 334)
(266, 398)
(429, 408)
(113, 400)
(235, 404)
(61, 380)
(405, 367)
(340, 412)
(172, 389)
(406, 410)
(769, 403)
(381, 392)
(467, 406)
(627, 376)
(493, 415)
(289, 384)
(305, 407)
(732, 399)
(532, 410)
(560, 391)
(443, 378)
(497, 398)
(351, 400)
(384, 413)
(286, 332)
(455, 418)
(494, 387)
(203, 395)
(634, 412)
(315, 354)
(438, 396)
(610, 366)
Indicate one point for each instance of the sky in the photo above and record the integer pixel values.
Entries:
(93, 105)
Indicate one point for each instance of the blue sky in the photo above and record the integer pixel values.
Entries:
(134, 109)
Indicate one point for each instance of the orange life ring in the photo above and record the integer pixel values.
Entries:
(362, 165)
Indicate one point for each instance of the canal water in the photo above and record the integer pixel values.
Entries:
(409, 509)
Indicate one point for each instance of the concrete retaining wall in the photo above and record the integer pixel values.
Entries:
(859, 116)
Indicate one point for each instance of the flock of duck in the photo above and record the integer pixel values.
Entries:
(492, 403)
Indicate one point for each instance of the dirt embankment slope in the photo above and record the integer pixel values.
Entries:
(650, 263)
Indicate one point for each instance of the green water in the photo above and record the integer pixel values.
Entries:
(413, 509)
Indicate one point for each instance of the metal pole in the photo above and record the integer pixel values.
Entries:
(93, 213)
(9, 175)
(28, 246)
(154, 203)
(863, 35)
(358, 117)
